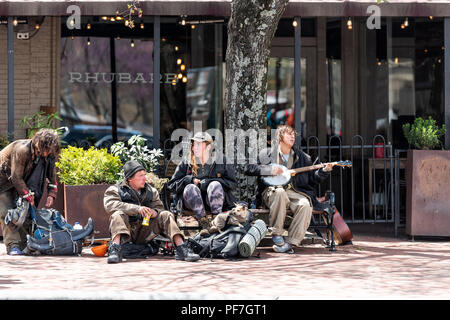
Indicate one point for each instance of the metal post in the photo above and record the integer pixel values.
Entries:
(10, 79)
(447, 80)
(156, 80)
(298, 77)
(112, 55)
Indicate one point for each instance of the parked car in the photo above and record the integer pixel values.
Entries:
(86, 136)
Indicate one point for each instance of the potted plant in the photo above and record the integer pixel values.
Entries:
(85, 175)
(136, 149)
(427, 180)
(39, 121)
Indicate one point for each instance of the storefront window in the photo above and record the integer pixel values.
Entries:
(193, 54)
(106, 79)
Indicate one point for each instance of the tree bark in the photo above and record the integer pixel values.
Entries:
(251, 29)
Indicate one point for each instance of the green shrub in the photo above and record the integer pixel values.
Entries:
(3, 142)
(136, 149)
(82, 167)
(423, 134)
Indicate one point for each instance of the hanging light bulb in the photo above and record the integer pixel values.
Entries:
(72, 22)
(88, 26)
(112, 19)
(73, 37)
(180, 75)
(179, 61)
(132, 44)
(402, 26)
(182, 67)
(396, 60)
(104, 18)
(184, 79)
(183, 21)
(142, 26)
(192, 26)
(89, 41)
(118, 38)
(406, 23)
(127, 22)
(176, 48)
(431, 17)
(349, 24)
(294, 23)
(119, 18)
(37, 26)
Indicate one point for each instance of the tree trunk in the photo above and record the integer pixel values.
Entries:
(251, 29)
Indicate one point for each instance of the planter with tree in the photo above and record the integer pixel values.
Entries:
(427, 180)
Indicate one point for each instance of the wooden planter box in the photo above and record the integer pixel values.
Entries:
(82, 202)
(427, 193)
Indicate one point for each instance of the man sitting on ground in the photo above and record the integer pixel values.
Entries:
(128, 203)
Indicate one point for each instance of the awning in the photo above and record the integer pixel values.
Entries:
(302, 8)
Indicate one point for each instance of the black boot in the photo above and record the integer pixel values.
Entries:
(185, 253)
(114, 253)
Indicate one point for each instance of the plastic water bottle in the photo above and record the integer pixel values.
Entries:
(77, 226)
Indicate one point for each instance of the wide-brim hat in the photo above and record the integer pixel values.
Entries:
(202, 137)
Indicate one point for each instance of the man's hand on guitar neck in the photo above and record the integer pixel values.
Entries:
(328, 167)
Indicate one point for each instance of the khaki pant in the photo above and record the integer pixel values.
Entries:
(12, 237)
(164, 223)
(278, 200)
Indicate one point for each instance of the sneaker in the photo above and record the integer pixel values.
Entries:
(185, 253)
(285, 248)
(15, 252)
(278, 240)
(114, 253)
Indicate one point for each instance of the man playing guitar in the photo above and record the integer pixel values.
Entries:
(299, 194)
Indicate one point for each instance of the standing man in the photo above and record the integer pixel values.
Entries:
(129, 202)
(25, 164)
(299, 195)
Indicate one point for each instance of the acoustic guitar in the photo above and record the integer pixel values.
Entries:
(342, 233)
(285, 177)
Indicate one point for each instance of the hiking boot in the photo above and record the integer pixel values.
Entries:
(185, 253)
(285, 248)
(114, 253)
(205, 225)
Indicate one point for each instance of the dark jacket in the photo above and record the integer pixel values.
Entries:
(223, 173)
(17, 162)
(302, 182)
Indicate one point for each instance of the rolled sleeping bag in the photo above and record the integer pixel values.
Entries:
(253, 237)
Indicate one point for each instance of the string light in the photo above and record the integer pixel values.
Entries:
(182, 67)
(180, 75)
(112, 19)
(184, 79)
(73, 37)
(104, 18)
(88, 26)
(406, 23)
(294, 23)
(179, 61)
(192, 26)
(349, 24)
(176, 48)
(37, 26)
(142, 26)
(89, 41)
(431, 17)
(402, 26)
(132, 44)
(396, 60)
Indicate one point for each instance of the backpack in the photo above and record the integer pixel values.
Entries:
(52, 235)
(218, 245)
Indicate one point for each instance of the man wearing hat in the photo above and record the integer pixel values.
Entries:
(204, 181)
(129, 202)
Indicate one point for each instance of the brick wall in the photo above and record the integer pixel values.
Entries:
(36, 73)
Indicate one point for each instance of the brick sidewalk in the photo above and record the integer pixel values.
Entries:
(374, 267)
